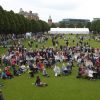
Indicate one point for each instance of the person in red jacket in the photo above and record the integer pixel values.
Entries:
(9, 75)
(97, 64)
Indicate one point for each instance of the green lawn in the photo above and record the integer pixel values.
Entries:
(59, 88)
(2, 50)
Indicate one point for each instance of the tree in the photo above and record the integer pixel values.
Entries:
(44, 26)
(62, 24)
(6, 22)
(20, 23)
(88, 25)
(95, 26)
(34, 26)
(53, 25)
(38, 26)
(11, 22)
(71, 26)
(1, 20)
(79, 25)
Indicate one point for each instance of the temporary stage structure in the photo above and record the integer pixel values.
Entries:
(69, 31)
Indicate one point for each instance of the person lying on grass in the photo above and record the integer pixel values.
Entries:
(39, 83)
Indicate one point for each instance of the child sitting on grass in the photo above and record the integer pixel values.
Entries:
(39, 83)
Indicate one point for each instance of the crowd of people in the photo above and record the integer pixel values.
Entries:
(19, 59)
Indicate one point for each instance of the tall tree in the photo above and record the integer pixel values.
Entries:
(71, 26)
(95, 26)
(53, 25)
(88, 25)
(80, 25)
(6, 22)
(44, 26)
(62, 24)
(11, 22)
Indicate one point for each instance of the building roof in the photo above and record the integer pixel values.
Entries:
(70, 19)
(29, 14)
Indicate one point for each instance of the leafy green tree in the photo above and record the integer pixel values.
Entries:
(1, 20)
(79, 25)
(62, 24)
(88, 25)
(95, 26)
(34, 26)
(71, 26)
(6, 23)
(11, 22)
(39, 27)
(53, 25)
(20, 23)
(44, 26)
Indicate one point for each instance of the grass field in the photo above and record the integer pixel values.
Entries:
(59, 88)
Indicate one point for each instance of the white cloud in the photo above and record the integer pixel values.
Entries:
(58, 9)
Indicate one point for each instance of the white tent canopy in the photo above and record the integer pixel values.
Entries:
(69, 30)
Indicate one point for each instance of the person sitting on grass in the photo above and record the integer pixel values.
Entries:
(3, 75)
(57, 71)
(90, 74)
(39, 83)
(31, 70)
(17, 72)
(81, 71)
(23, 68)
(35, 68)
(64, 69)
(69, 67)
(45, 73)
(9, 74)
(31, 74)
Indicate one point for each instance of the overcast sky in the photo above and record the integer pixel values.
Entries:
(58, 9)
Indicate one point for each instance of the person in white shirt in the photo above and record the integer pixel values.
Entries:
(90, 74)
(23, 68)
(56, 70)
(64, 69)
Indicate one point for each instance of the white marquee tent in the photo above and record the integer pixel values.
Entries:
(69, 31)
